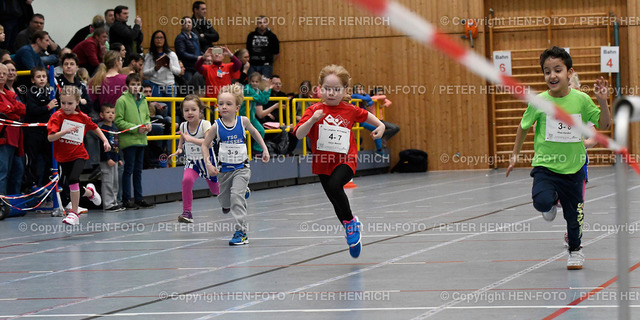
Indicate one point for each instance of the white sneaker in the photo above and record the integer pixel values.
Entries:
(551, 214)
(71, 219)
(96, 199)
(81, 210)
(576, 259)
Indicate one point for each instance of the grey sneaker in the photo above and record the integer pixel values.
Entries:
(551, 214)
(576, 260)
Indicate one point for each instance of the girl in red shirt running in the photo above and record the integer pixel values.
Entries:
(66, 129)
(328, 125)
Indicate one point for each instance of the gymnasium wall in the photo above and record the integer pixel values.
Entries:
(441, 107)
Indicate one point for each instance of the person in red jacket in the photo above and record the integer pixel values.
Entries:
(328, 125)
(218, 74)
(10, 138)
(91, 50)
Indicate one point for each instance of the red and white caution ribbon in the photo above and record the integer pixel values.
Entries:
(402, 19)
(12, 123)
(52, 185)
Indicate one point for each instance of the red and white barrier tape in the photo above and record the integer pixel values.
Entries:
(12, 123)
(4, 198)
(404, 20)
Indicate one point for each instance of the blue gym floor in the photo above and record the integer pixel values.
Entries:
(437, 245)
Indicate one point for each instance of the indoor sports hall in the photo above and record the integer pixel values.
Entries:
(508, 192)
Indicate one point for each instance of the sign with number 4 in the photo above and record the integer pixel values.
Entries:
(610, 59)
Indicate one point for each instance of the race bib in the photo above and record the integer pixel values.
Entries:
(75, 136)
(558, 131)
(333, 138)
(193, 151)
(232, 153)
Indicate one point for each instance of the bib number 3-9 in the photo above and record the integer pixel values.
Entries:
(232, 153)
(333, 138)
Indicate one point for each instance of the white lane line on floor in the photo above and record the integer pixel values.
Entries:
(307, 311)
(160, 293)
(522, 272)
(356, 272)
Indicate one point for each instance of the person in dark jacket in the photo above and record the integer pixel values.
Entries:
(264, 48)
(202, 27)
(82, 34)
(130, 37)
(188, 47)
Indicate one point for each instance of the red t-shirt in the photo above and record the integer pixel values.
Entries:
(343, 115)
(71, 146)
(216, 76)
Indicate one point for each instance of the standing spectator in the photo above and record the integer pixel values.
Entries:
(109, 19)
(28, 56)
(264, 48)
(132, 110)
(202, 27)
(160, 65)
(82, 34)
(197, 82)
(91, 50)
(240, 76)
(15, 16)
(10, 138)
(218, 74)
(188, 47)
(130, 37)
(51, 53)
(38, 110)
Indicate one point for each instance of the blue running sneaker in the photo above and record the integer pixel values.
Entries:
(352, 229)
(247, 193)
(239, 238)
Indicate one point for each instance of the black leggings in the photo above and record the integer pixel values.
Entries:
(333, 186)
(70, 174)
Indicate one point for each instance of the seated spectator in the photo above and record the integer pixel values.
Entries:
(187, 46)
(91, 50)
(11, 170)
(117, 46)
(83, 75)
(5, 55)
(161, 65)
(69, 78)
(11, 77)
(58, 69)
(2, 35)
(305, 93)
(28, 56)
(134, 63)
(50, 54)
(84, 33)
(107, 84)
